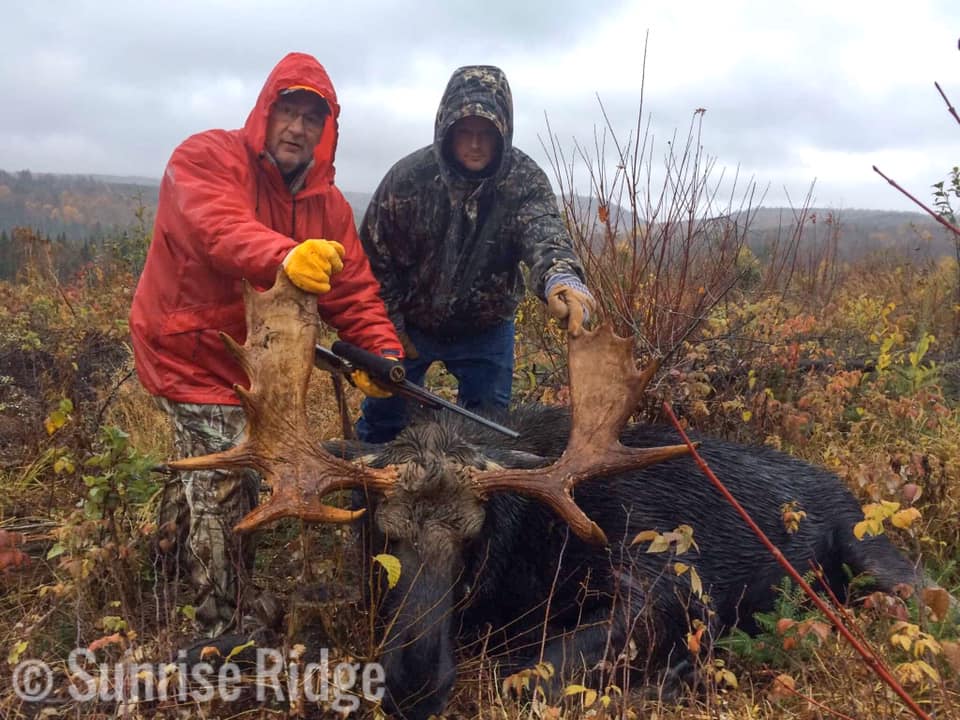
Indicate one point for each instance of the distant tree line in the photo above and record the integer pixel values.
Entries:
(22, 248)
(74, 206)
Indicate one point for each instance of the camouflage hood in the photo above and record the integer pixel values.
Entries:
(447, 246)
(480, 91)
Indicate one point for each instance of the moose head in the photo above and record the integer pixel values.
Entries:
(430, 488)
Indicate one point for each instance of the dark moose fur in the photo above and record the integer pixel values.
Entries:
(470, 569)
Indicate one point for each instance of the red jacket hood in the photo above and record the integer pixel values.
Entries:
(298, 69)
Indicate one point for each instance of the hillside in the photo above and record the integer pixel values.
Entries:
(77, 206)
(860, 231)
(84, 206)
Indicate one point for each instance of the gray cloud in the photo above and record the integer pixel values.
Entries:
(792, 92)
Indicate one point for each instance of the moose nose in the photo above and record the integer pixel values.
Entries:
(418, 679)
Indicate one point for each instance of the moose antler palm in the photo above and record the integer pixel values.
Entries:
(278, 356)
(605, 388)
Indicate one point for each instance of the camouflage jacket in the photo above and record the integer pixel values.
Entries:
(447, 247)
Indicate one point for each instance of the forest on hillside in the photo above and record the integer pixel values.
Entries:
(79, 212)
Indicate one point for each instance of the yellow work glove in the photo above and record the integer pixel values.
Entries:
(361, 379)
(312, 263)
(570, 306)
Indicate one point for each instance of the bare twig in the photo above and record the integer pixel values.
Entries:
(786, 688)
(943, 221)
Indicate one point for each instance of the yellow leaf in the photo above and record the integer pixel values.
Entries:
(51, 426)
(684, 539)
(726, 677)
(860, 529)
(697, 585)
(659, 544)
(239, 649)
(589, 696)
(890, 507)
(746, 415)
(391, 564)
(901, 641)
(63, 465)
(905, 518)
(926, 644)
(680, 568)
(928, 671)
(16, 652)
(544, 670)
(644, 536)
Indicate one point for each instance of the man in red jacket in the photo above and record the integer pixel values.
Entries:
(235, 205)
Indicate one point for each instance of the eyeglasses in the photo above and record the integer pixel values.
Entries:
(287, 113)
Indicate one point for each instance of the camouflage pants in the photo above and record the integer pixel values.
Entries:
(202, 509)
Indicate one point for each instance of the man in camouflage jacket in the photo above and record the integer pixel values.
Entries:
(446, 232)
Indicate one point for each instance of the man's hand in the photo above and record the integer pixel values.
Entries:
(570, 306)
(409, 349)
(312, 263)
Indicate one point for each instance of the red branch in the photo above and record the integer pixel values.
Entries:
(949, 106)
(950, 226)
(871, 658)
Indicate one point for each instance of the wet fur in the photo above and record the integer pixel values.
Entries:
(469, 573)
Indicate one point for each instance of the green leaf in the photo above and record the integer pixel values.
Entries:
(56, 551)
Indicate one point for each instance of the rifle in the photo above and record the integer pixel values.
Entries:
(344, 358)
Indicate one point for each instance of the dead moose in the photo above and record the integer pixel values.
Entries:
(493, 548)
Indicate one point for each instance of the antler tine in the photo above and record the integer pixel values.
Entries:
(278, 358)
(605, 388)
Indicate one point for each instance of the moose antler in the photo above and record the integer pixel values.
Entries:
(605, 388)
(278, 356)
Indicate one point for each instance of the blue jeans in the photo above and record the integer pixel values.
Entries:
(482, 363)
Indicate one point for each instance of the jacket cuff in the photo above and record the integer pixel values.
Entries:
(568, 279)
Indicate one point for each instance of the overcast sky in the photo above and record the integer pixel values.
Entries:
(794, 91)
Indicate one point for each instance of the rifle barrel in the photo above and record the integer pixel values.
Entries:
(345, 358)
(425, 396)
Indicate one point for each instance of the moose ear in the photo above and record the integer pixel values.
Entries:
(497, 459)
(354, 450)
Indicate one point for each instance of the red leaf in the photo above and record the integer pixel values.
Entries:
(13, 559)
(115, 639)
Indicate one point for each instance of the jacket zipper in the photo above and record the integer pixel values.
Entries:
(293, 228)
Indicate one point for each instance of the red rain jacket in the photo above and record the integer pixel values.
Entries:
(226, 214)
